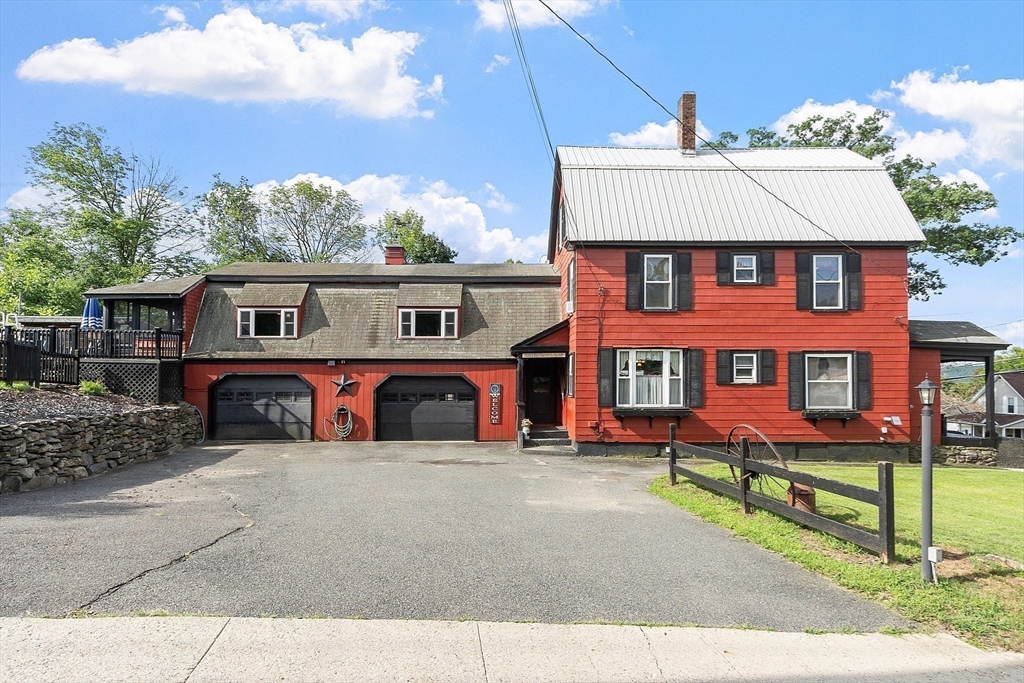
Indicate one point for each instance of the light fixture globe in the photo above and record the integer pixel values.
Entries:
(927, 389)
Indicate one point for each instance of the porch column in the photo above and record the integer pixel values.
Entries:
(990, 399)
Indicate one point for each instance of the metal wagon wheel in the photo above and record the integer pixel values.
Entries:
(761, 450)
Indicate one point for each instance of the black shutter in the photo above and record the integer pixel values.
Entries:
(767, 267)
(854, 283)
(723, 367)
(723, 265)
(684, 281)
(606, 377)
(767, 357)
(634, 301)
(863, 369)
(803, 281)
(796, 380)
(695, 379)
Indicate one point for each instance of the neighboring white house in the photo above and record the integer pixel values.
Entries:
(1009, 408)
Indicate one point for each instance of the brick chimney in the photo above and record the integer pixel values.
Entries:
(394, 255)
(686, 135)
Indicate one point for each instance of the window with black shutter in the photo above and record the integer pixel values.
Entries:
(745, 367)
(659, 281)
(829, 281)
(745, 267)
(830, 384)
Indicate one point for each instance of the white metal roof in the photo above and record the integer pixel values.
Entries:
(619, 194)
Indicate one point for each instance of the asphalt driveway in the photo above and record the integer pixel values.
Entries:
(397, 531)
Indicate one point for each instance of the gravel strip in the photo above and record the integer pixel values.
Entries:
(53, 402)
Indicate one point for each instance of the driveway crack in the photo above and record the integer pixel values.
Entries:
(483, 660)
(661, 674)
(177, 560)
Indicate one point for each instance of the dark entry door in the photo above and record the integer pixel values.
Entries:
(426, 409)
(258, 407)
(541, 390)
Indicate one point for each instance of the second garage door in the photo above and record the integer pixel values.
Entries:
(426, 409)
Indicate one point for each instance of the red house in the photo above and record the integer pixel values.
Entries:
(710, 287)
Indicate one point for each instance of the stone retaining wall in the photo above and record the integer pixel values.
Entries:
(42, 453)
(1010, 453)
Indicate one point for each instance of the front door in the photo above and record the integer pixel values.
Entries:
(541, 390)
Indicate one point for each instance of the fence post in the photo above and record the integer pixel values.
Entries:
(744, 479)
(886, 514)
(8, 353)
(672, 454)
(52, 341)
(158, 342)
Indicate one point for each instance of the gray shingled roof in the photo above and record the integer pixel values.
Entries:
(264, 294)
(661, 195)
(157, 288)
(379, 272)
(979, 418)
(414, 294)
(358, 321)
(1015, 378)
(952, 332)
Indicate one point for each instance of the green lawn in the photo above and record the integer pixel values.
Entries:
(974, 511)
(977, 512)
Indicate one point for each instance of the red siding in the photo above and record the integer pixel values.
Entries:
(199, 375)
(737, 317)
(563, 261)
(924, 361)
(189, 311)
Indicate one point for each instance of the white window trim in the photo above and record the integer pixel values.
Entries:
(444, 314)
(1007, 400)
(252, 323)
(669, 283)
(814, 282)
(666, 389)
(570, 389)
(571, 284)
(808, 380)
(753, 379)
(735, 268)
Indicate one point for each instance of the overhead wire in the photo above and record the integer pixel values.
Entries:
(724, 156)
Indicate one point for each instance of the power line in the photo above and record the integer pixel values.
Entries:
(715, 149)
(531, 86)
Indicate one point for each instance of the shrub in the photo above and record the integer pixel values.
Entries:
(16, 386)
(89, 388)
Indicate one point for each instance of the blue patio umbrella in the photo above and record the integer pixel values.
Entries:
(92, 316)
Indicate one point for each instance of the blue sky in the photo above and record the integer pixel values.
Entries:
(423, 104)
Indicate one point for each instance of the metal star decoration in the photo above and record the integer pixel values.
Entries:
(344, 384)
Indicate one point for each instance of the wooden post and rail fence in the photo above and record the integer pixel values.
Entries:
(883, 542)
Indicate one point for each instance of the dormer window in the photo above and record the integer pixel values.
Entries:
(426, 323)
(267, 322)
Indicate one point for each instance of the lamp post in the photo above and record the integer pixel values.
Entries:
(927, 388)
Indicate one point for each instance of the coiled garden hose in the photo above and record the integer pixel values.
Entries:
(341, 431)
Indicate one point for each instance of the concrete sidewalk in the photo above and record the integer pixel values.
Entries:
(206, 649)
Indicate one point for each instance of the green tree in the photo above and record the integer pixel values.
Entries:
(406, 229)
(1011, 359)
(129, 213)
(39, 273)
(235, 225)
(724, 141)
(939, 208)
(319, 224)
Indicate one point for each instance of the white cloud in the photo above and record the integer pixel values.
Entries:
(457, 220)
(830, 111)
(498, 62)
(653, 134)
(336, 10)
(994, 111)
(497, 201)
(1012, 332)
(30, 197)
(934, 147)
(965, 176)
(239, 58)
(530, 13)
(172, 14)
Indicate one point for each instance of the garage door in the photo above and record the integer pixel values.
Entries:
(426, 409)
(259, 407)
